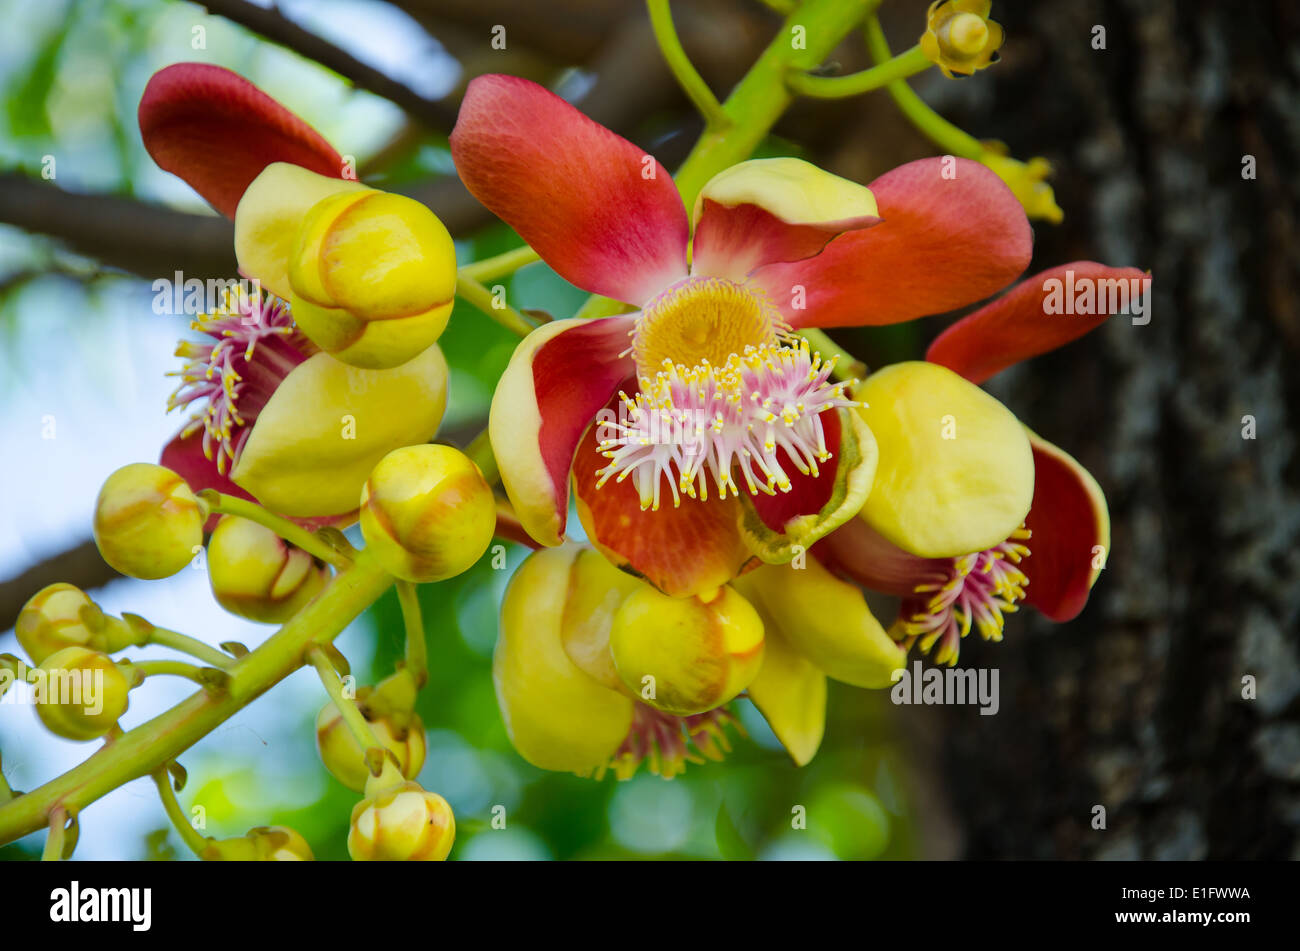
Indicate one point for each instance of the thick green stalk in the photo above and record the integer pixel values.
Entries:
(762, 96)
(144, 749)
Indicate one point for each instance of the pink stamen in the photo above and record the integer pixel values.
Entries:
(255, 345)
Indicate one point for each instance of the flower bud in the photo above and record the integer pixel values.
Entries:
(148, 524)
(403, 823)
(686, 655)
(263, 844)
(427, 513)
(373, 277)
(80, 693)
(62, 615)
(1027, 181)
(256, 574)
(346, 760)
(959, 37)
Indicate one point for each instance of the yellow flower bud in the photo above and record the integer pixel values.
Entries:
(344, 757)
(256, 574)
(148, 524)
(80, 693)
(403, 823)
(959, 37)
(427, 513)
(263, 844)
(1027, 182)
(686, 655)
(373, 277)
(62, 615)
(557, 715)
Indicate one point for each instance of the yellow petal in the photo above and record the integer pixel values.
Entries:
(790, 692)
(826, 620)
(797, 192)
(956, 473)
(855, 470)
(387, 256)
(557, 717)
(269, 216)
(596, 590)
(328, 424)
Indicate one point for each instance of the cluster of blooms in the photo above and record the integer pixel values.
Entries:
(626, 651)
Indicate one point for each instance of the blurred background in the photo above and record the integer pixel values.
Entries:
(1137, 705)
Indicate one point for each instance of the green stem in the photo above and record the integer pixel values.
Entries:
(838, 87)
(692, 83)
(357, 724)
(54, 841)
(196, 843)
(847, 368)
(289, 531)
(478, 295)
(417, 651)
(502, 265)
(159, 741)
(758, 102)
(939, 130)
(175, 668)
(144, 633)
(762, 96)
(6, 791)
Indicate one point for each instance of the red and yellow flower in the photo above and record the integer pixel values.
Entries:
(304, 384)
(598, 672)
(1032, 515)
(703, 391)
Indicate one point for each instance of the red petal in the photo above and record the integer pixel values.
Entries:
(945, 241)
(808, 494)
(573, 190)
(559, 377)
(218, 131)
(1017, 325)
(1071, 533)
(731, 241)
(691, 549)
(857, 552)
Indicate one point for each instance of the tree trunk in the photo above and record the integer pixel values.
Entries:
(1138, 705)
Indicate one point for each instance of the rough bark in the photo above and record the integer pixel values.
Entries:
(1138, 705)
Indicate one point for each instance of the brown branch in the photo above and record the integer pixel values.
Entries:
(272, 25)
(148, 240)
(80, 565)
(153, 241)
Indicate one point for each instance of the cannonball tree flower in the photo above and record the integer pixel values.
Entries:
(709, 403)
(300, 387)
(575, 698)
(963, 560)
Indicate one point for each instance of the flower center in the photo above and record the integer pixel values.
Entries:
(757, 413)
(702, 319)
(976, 591)
(253, 345)
(666, 743)
(967, 33)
